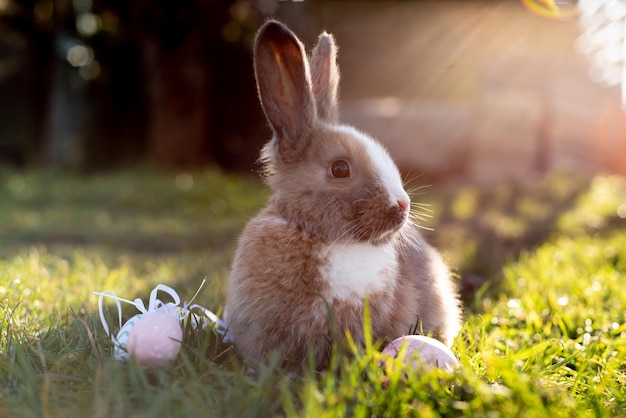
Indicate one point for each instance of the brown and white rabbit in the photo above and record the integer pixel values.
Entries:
(336, 230)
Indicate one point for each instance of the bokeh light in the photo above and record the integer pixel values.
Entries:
(603, 41)
(87, 24)
(79, 55)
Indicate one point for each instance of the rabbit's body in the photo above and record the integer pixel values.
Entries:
(336, 231)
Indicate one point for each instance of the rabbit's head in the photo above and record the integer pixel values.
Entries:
(329, 179)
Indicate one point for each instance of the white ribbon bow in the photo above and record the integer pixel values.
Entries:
(170, 308)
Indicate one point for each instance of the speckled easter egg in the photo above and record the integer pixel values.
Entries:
(155, 339)
(422, 351)
(120, 346)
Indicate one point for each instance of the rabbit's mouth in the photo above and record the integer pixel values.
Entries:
(379, 226)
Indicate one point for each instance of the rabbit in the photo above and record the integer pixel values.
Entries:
(336, 232)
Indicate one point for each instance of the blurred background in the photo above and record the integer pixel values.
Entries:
(458, 90)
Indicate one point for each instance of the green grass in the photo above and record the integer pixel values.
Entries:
(545, 335)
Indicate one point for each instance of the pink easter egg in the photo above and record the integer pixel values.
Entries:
(155, 339)
(422, 351)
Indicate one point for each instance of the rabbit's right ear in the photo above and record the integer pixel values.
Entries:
(325, 77)
(284, 84)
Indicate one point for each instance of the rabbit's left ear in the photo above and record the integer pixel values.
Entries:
(284, 84)
(325, 78)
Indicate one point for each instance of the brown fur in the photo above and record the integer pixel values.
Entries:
(277, 297)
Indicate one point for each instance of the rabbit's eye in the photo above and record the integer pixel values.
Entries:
(340, 169)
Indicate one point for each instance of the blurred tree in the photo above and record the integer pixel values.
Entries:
(197, 73)
(173, 43)
(120, 79)
(25, 50)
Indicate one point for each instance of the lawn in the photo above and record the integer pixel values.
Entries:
(540, 262)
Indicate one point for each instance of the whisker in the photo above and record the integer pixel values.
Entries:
(427, 212)
(408, 237)
(412, 177)
(417, 190)
(425, 228)
(415, 218)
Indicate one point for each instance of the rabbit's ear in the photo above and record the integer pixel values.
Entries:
(284, 84)
(325, 77)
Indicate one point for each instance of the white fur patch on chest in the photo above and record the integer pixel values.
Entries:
(355, 270)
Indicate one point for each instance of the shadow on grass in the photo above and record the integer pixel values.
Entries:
(126, 213)
(480, 228)
(208, 238)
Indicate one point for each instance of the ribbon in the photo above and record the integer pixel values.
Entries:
(171, 308)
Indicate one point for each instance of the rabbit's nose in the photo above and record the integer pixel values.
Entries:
(403, 204)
